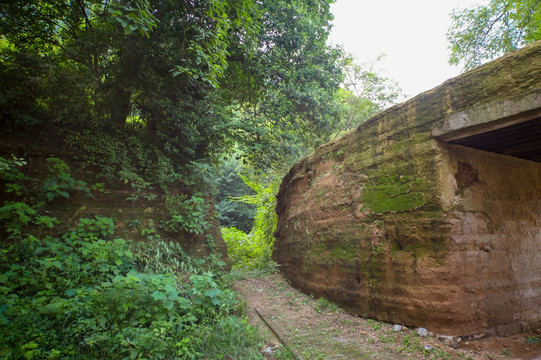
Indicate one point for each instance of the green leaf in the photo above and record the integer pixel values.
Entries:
(71, 292)
(102, 322)
(64, 194)
(168, 305)
(157, 295)
(5, 277)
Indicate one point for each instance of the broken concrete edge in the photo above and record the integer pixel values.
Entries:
(452, 341)
(500, 330)
(489, 117)
(402, 107)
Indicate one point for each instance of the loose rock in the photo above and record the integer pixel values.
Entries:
(450, 340)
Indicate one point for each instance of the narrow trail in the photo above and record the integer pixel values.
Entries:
(314, 329)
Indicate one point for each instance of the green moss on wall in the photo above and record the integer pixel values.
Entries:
(392, 194)
(322, 252)
(344, 251)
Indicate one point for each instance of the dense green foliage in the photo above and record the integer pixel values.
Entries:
(253, 250)
(286, 91)
(192, 78)
(154, 92)
(82, 295)
(79, 292)
(488, 31)
(233, 213)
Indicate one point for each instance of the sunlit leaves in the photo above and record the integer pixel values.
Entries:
(485, 32)
(365, 92)
(285, 93)
(136, 17)
(254, 250)
(213, 26)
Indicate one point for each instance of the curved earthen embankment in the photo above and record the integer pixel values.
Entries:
(397, 221)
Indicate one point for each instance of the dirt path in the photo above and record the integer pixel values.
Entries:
(315, 329)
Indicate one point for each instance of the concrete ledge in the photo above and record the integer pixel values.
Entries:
(489, 117)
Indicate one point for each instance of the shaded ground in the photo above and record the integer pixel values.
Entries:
(316, 329)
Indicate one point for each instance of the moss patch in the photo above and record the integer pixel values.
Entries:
(337, 252)
(392, 194)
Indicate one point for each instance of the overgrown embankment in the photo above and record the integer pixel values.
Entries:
(70, 287)
(122, 176)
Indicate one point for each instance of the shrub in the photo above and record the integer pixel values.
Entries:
(188, 214)
(81, 295)
(254, 250)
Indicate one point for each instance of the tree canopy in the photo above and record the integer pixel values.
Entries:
(284, 95)
(485, 32)
(196, 77)
(365, 92)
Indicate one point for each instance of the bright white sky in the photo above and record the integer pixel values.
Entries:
(412, 33)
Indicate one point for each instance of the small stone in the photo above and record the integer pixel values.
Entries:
(450, 340)
(267, 350)
(422, 332)
(397, 327)
(363, 332)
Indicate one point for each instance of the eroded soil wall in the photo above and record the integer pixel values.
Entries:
(494, 204)
(395, 225)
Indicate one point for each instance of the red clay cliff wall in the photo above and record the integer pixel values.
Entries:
(393, 224)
